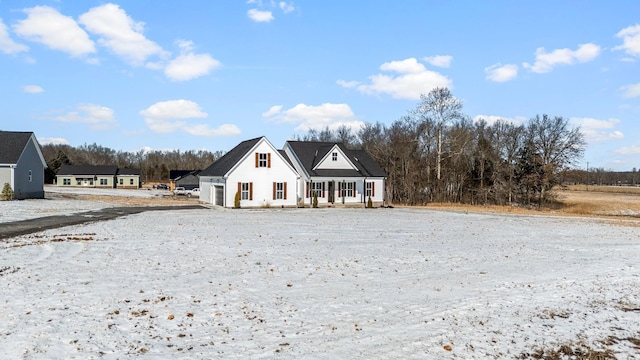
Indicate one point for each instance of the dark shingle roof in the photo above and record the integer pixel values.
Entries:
(87, 170)
(176, 174)
(128, 171)
(12, 143)
(311, 152)
(222, 166)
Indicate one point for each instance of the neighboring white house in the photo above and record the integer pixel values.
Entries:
(336, 174)
(22, 164)
(257, 171)
(98, 176)
(265, 176)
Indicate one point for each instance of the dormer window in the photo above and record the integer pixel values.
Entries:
(334, 156)
(263, 160)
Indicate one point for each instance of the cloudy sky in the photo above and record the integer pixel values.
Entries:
(209, 74)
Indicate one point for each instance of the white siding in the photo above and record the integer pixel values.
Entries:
(341, 161)
(262, 179)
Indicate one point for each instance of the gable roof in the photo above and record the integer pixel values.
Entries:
(222, 166)
(128, 172)
(309, 153)
(12, 144)
(176, 174)
(193, 173)
(93, 170)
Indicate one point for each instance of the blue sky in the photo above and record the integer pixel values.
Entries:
(201, 74)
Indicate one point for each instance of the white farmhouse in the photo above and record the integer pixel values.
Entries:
(266, 177)
(257, 171)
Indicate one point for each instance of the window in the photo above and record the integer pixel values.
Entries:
(317, 188)
(347, 189)
(370, 189)
(279, 191)
(263, 160)
(78, 181)
(103, 182)
(66, 181)
(334, 156)
(245, 192)
(30, 176)
(121, 181)
(130, 181)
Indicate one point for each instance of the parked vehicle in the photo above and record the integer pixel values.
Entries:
(194, 192)
(179, 191)
(162, 186)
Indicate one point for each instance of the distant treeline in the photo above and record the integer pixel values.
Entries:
(153, 165)
(435, 153)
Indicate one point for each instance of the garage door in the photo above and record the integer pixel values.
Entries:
(219, 195)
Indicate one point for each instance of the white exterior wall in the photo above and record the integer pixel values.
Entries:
(341, 162)
(262, 179)
(6, 176)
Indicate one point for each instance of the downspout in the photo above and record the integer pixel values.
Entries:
(364, 190)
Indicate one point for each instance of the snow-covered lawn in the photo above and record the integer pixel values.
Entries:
(34, 208)
(320, 283)
(139, 193)
(55, 202)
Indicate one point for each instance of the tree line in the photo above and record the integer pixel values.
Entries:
(154, 166)
(435, 153)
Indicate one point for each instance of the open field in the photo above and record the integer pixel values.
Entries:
(322, 283)
(604, 202)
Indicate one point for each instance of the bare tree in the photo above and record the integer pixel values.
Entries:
(557, 145)
(441, 106)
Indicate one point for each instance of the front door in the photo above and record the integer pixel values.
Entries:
(330, 192)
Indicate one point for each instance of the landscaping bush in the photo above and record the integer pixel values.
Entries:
(7, 192)
(315, 199)
(236, 200)
(369, 203)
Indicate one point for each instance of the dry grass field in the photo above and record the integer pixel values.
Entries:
(579, 200)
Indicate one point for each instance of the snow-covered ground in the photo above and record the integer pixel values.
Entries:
(321, 284)
(138, 193)
(55, 202)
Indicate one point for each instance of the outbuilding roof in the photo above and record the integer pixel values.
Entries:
(92, 170)
(12, 144)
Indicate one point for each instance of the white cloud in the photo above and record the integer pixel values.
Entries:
(260, 15)
(286, 8)
(47, 26)
(169, 116)
(120, 34)
(32, 89)
(190, 66)
(53, 141)
(7, 45)
(308, 117)
(596, 130)
(412, 80)
(347, 84)
(545, 62)
(98, 117)
(630, 91)
(501, 73)
(631, 40)
(492, 119)
(439, 60)
(174, 109)
(206, 130)
(274, 110)
(628, 150)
